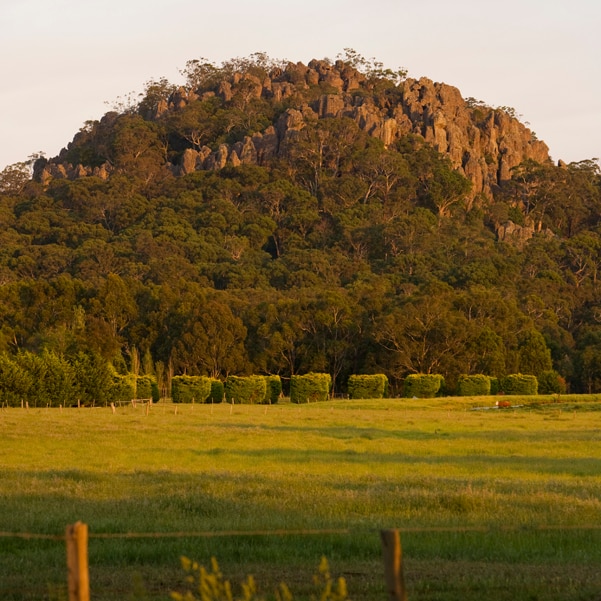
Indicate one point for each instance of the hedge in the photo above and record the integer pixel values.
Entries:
(474, 385)
(550, 382)
(519, 384)
(123, 388)
(217, 391)
(423, 386)
(273, 389)
(190, 389)
(372, 386)
(147, 388)
(310, 388)
(245, 389)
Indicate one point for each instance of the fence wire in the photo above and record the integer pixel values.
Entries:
(309, 532)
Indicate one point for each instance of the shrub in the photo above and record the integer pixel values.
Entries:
(15, 381)
(422, 386)
(245, 389)
(310, 388)
(217, 391)
(273, 389)
(123, 388)
(495, 385)
(367, 386)
(190, 389)
(147, 388)
(475, 385)
(519, 384)
(550, 382)
(53, 379)
(93, 378)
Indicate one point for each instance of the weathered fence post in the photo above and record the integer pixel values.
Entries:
(393, 565)
(77, 562)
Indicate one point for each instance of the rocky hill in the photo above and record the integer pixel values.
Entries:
(481, 142)
(283, 218)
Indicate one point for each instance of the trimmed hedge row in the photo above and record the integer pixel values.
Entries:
(310, 388)
(429, 385)
(274, 389)
(519, 384)
(47, 379)
(245, 390)
(476, 385)
(190, 389)
(373, 386)
(217, 391)
(422, 386)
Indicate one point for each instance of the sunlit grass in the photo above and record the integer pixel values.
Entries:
(509, 490)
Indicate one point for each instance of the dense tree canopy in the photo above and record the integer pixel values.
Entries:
(340, 255)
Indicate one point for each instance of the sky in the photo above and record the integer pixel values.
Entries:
(65, 62)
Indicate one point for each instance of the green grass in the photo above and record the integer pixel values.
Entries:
(493, 503)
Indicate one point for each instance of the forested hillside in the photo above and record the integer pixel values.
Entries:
(278, 218)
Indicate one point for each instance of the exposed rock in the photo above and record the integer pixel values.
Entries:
(103, 172)
(515, 234)
(246, 151)
(189, 161)
(266, 145)
(225, 91)
(330, 105)
(483, 143)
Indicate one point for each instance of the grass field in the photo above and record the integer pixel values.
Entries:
(500, 504)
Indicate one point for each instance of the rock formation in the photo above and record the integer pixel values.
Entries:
(481, 142)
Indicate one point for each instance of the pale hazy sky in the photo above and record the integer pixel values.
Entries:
(62, 61)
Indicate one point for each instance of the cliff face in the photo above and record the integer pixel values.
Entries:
(482, 143)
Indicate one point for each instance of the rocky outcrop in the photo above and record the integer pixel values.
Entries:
(44, 171)
(481, 142)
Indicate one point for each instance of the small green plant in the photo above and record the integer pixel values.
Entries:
(205, 585)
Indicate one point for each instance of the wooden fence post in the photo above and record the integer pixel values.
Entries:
(393, 565)
(77, 562)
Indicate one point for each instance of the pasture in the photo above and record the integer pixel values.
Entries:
(491, 504)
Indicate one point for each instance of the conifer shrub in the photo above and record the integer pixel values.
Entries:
(474, 385)
(550, 382)
(53, 379)
(245, 389)
(372, 386)
(310, 388)
(93, 378)
(217, 391)
(15, 382)
(190, 389)
(495, 385)
(519, 384)
(422, 386)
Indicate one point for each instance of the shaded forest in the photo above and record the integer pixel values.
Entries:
(338, 251)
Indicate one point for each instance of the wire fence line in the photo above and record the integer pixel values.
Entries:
(311, 532)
